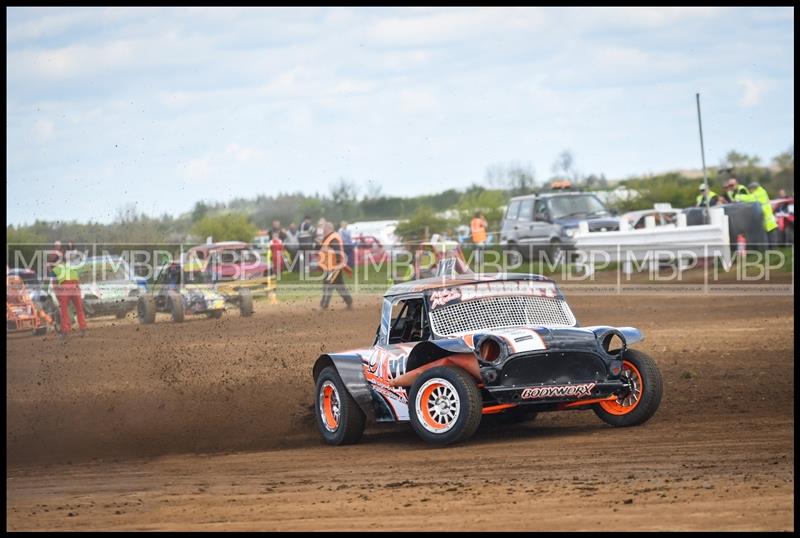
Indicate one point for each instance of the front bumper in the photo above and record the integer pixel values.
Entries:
(100, 307)
(553, 376)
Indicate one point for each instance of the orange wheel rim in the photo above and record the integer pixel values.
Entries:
(438, 405)
(629, 402)
(329, 406)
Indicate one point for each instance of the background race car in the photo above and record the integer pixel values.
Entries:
(186, 289)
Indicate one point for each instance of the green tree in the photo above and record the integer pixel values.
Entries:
(491, 202)
(225, 227)
(784, 177)
(422, 224)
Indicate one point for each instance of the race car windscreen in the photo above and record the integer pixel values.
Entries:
(492, 305)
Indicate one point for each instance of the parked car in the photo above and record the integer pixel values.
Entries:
(449, 350)
(547, 222)
(368, 250)
(783, 209)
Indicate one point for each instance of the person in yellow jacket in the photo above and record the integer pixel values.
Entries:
(762, 197)
(701, 198)
(332, 261)
(68, 290)
(737, 193)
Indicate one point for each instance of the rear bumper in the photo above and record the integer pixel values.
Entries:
(257, 287)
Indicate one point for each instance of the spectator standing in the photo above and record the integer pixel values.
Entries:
(318, 237)
(701, 198)
(332, 261)
(770, 224)
(478, 228)
(68, 290)
(291, 243)
(347, 240)
(305, 239)
(277, 230)
(276, 252)
(737, 193)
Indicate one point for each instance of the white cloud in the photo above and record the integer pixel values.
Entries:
(196, 170)
(44, 130)
(452, 25)
(752, 91)
(245, 153)
(418, 100)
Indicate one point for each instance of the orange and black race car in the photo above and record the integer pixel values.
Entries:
(22, 312)
(450, 350)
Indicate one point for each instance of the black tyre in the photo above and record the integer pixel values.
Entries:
(643, 400)
(245, 302)
(339, 419)
(146, 309)
(54, 312)
(445, 405)
(555, 252)
(176, 306)
(525, 251)
(215, 314)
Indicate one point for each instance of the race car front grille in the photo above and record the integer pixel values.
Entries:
(501, 311)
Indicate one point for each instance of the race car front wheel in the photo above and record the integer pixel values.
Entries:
(445, 405)
(640, 402)
(340, 420)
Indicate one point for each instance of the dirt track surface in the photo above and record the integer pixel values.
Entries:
(206, 425)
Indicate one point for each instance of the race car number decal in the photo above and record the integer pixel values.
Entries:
(577, 391)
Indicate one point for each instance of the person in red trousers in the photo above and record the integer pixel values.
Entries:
(68, 290)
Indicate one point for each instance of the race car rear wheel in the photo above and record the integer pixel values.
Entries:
(642, 400)
(146, 309)
(340, 420)
(245, 302)
(176, 306)
(445, 405)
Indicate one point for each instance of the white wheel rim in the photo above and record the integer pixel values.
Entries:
(437, 405)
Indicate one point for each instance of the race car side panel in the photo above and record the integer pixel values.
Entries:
(349, 367)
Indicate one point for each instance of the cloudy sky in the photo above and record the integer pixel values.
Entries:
(164, 107)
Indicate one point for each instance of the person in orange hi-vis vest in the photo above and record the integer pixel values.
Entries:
(478, 228)
(332, 261)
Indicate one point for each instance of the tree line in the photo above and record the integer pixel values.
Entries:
(240, 218)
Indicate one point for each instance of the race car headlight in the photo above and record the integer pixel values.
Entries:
(489, 350)
(569, 232)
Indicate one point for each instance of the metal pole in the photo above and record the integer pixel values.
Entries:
(703, 155)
